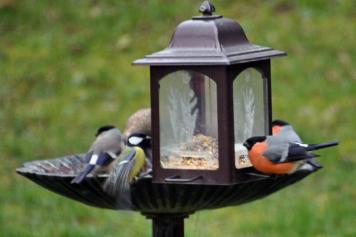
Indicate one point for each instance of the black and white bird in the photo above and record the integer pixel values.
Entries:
(143, 141)
(138, 131)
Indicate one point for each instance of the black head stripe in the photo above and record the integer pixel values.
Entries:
(279, 122)
(103, 129)
(253, 140)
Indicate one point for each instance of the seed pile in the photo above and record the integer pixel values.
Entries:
(199, 153)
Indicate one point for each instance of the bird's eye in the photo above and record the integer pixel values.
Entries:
(135, 140)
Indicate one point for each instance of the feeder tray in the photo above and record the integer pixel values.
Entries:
(147, 197)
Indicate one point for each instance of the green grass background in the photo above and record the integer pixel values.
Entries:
(65, 69)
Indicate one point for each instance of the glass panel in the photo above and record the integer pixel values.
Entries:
(188, 121)
(249, 112)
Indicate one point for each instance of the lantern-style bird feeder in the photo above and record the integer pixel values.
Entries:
(210, 90)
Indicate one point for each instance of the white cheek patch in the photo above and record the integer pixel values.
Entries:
(93, 159)
(135, 140)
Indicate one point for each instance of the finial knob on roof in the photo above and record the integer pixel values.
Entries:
(206, 8)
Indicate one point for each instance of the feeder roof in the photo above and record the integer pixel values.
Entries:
(209, 40)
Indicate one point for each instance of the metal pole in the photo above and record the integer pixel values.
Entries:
(167, 225)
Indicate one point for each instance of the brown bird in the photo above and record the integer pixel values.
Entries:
(138, 122)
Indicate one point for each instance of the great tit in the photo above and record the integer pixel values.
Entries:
(127, 167)
(133, 162)
(143, 141)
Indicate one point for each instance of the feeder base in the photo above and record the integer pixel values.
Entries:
(167, 225)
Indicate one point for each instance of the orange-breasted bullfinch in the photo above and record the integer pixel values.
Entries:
(279, 125)
(103, 151)
(282, 153)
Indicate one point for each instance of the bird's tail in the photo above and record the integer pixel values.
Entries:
(313, 147)
(81, 176)
(118, 183)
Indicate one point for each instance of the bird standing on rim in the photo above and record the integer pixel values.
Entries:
(103, 151)
(131, 164)
(283, 152)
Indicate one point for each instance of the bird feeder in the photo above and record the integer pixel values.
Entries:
(210, 90)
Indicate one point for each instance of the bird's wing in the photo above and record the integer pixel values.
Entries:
(277, 149)
(296, 152)
(104, 158)
(88, 157)
(288, 134)
(118, 182)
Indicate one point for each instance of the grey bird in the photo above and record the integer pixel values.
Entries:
(286, 131)
(103, 151)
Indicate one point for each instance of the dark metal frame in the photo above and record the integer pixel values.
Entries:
(223, 76)
(217, 47)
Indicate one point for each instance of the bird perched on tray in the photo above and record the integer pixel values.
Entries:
(282, 152)
(278, 125)
(143, 141)
(102, 153)
(284, 127)
(138, 131)
(131, 164)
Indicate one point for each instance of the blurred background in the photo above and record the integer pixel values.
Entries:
(65, 69)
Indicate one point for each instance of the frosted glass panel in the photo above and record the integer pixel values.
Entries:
(188, 121)
(249, 111)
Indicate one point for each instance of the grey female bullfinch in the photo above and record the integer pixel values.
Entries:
(103, 151)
